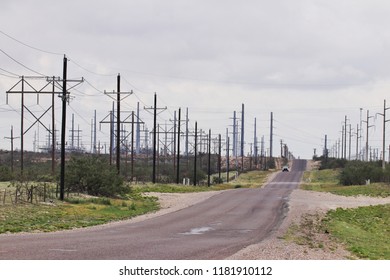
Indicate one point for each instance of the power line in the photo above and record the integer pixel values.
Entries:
(9, 72)
(21, 64)
(29, 46)
(90, 71)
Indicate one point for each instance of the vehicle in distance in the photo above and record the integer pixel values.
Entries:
(285, 169)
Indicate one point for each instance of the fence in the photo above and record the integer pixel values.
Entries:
(21, 192)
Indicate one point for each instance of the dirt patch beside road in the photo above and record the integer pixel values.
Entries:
(306, 206)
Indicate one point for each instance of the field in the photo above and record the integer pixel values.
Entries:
(364, 230)
(327, 181)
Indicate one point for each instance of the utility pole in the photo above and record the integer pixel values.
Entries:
(384, 134)
(342, 142)
(118, 119)
(361, 135)
(12, 147)
(209, 160)
(350, 142)
(357, 141)
(154, 137)
(154, 108)
(195, 151)
(271, 135)
(178, 149)
(63, 127)
(28, 88)
(219, 157)
(345, 137)
(138, 135)
(65, 99)
(234, 134)
(227, 155)
(368, 126)
(255, 148)
(111, 122)
(326, 148)
(242, 137)
(281, 148)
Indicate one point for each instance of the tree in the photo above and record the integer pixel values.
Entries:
(94, 176)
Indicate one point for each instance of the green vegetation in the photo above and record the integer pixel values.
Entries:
(94, 176)
(327, 181)
(75, 212)
(364, 230)
(251, 179)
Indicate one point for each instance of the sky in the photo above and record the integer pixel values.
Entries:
(311, 63)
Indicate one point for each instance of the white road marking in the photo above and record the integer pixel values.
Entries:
(200, 230)
(63, 250)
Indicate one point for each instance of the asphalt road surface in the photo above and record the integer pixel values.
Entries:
(213, 229)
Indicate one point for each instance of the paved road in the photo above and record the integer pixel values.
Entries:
(213, 229)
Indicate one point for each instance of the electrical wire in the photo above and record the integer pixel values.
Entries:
(9, 72)
(21, 64)
(90, 71)
(29, 46)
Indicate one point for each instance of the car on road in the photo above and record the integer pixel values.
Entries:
(285, 169)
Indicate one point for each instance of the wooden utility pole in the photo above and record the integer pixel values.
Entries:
(219, 157)
(384, 134)
(368, 126)
(242, 137)
(119, 97)
(12, 147)
(178, 149)
(271, 135)
(195, 151)
(154, 108)
(65, 99)
(209, 160)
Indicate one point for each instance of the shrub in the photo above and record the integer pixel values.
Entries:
(5, 173)
(93, 176)
(357, 172)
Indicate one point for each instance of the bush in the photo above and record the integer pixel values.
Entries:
(332, 163)
(93, 176)
(5, 173)
(357, 172)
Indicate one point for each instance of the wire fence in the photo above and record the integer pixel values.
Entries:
(33, 193)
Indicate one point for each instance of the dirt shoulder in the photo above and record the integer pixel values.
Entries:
(306, 205)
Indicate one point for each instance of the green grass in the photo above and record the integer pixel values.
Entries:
(364, 230)
(74, 213)
(327, 181)
(252, 179)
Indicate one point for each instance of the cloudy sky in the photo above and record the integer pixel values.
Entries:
(311, 63)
